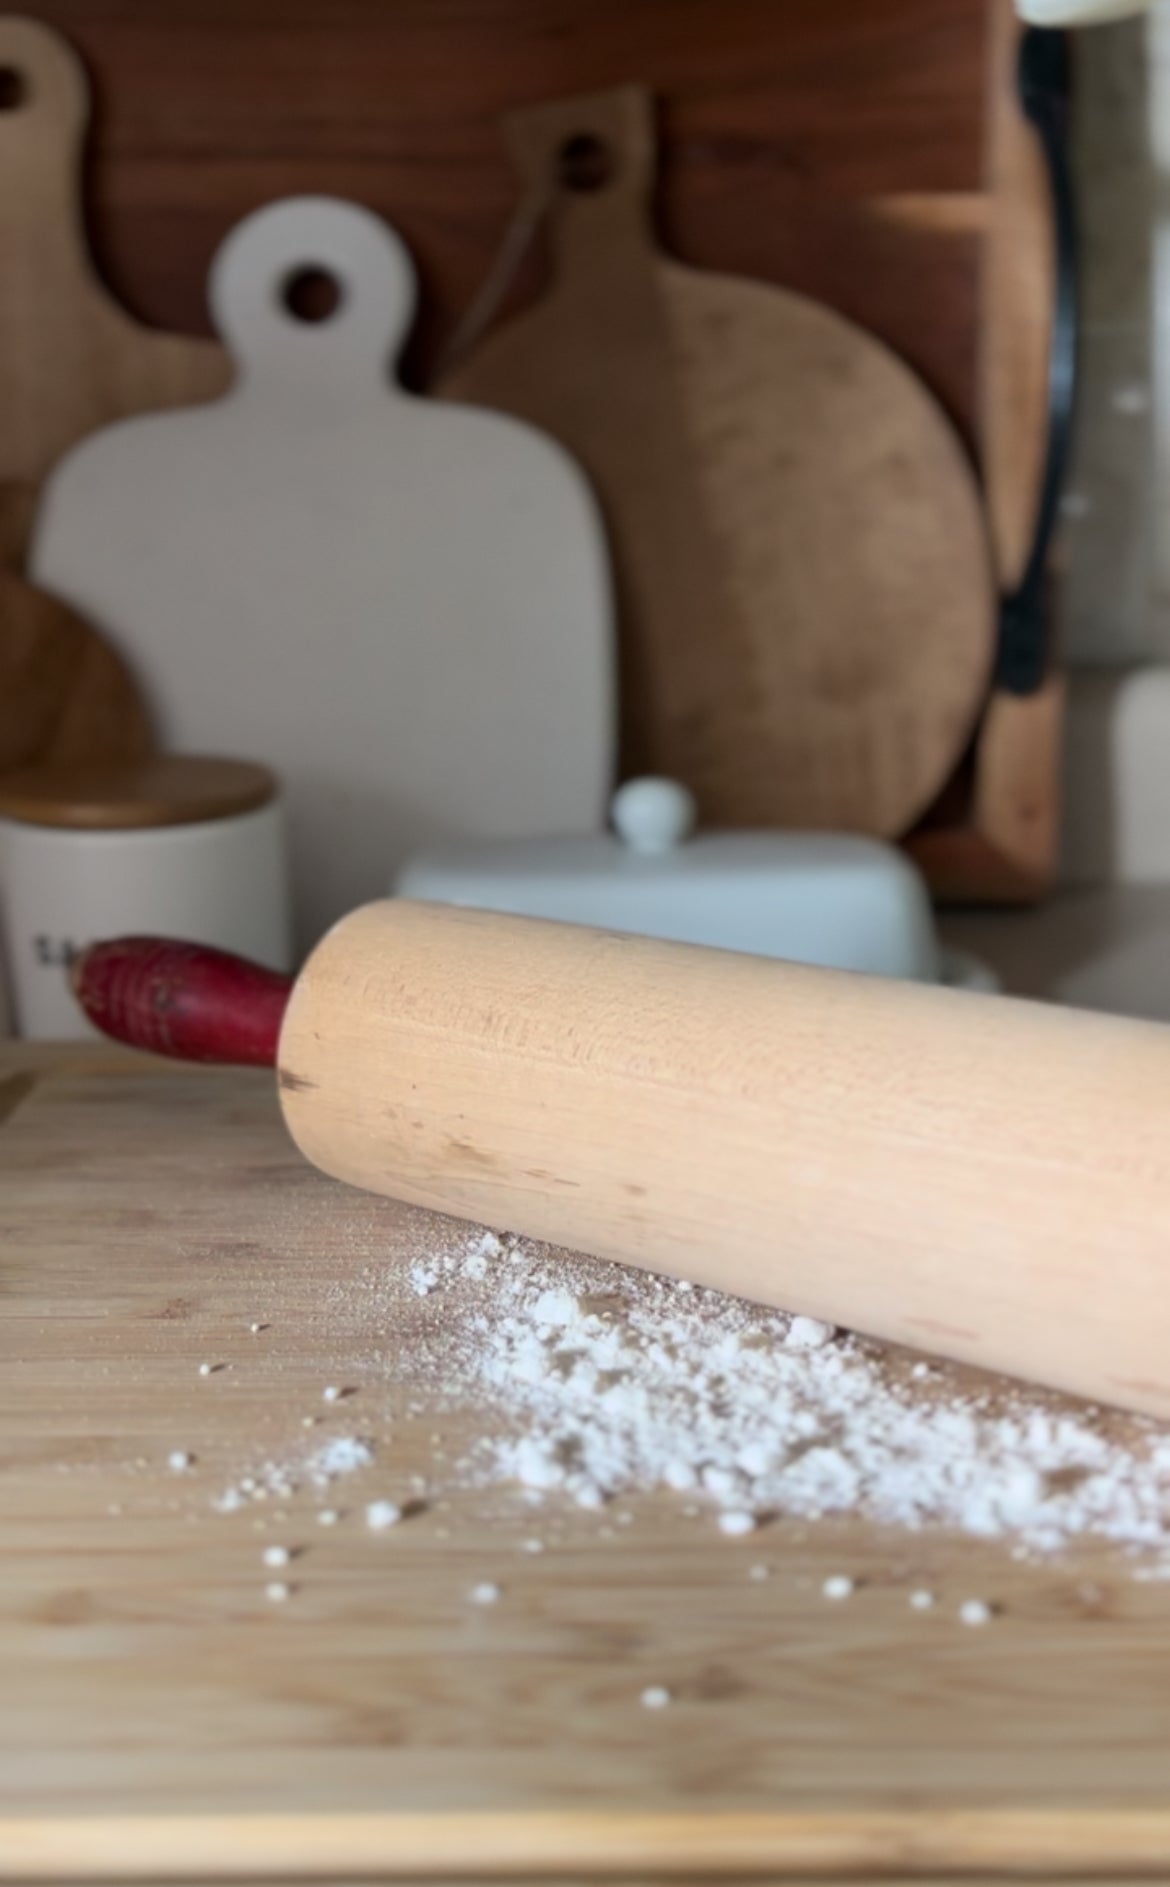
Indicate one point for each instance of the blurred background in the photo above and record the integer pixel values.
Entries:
(830, 568)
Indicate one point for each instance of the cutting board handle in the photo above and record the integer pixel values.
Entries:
(186, 1000)
(44, 112)
(591, 159)
(252, 291)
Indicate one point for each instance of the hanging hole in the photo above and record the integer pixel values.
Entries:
(584, 162)
(311, 294)
(13, 89)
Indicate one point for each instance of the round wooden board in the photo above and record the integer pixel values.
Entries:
(851, 550)
(806, 598)
(66, 696)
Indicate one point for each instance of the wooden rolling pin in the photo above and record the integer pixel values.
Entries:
(985, 1178)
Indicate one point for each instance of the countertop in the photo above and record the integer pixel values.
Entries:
(1101, 949)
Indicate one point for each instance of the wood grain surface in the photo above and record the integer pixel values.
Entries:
(1019, 293)
(836, 148)
(832, 145)
(1002, 847)
(66, 695)
(996, 838)
(162, 790)
(1016, 796)
(805, 594)
(70, 357)
(978, 1177)
(677, 1876)
(158, 1715)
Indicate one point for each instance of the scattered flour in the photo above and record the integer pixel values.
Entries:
(838, 1586)
(807, 1333)
(279, 1480)
(975, 1612)
(592, 1382)
(655, 1697)
(381, 1514)
(345, 1454)
(599, 1381)
(735, 1523)
(486, 1593)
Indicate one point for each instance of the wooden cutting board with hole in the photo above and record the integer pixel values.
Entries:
(71, 359)
(402, 608)
(805, 590)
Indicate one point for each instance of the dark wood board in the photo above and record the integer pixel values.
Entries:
(834, 146)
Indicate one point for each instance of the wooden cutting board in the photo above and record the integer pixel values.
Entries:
(71, 359)
(402, 608)
(805, 592)
(158, 1713)
(66, 697)
(1003, 845)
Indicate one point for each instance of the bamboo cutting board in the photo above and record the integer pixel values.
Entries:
(158, 1716)
(402, 608)
(805, 591)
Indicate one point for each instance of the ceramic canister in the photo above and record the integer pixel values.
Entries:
(176, 847)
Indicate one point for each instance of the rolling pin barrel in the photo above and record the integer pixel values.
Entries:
(985, 1178)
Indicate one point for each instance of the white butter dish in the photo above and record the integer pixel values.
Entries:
(827, 898)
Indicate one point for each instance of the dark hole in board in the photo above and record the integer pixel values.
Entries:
(311, 294)
(584, 162)
(13, 89)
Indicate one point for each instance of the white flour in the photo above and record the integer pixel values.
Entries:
(278, 1479)
(604, 1382)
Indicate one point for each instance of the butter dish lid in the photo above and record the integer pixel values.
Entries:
(835, 899)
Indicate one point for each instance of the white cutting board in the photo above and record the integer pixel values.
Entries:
(404, 607)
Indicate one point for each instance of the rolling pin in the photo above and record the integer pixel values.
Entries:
(985, 1178)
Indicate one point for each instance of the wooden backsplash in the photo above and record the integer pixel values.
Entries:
(834, 146)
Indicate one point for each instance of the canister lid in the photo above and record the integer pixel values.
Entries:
(161, 790)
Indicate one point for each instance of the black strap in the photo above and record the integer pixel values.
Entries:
(1043, 80)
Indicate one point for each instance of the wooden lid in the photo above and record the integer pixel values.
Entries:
(161, 790)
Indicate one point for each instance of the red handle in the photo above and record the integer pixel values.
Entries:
(182, 999)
